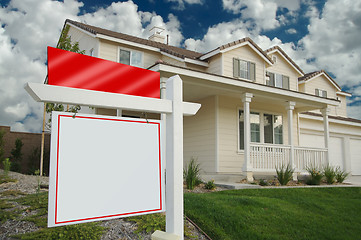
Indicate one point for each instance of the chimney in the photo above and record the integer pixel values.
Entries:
(157, 34)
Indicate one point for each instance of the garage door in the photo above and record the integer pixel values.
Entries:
(335, 148)
(355, 151)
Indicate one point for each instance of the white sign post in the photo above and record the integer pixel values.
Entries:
(173, 107)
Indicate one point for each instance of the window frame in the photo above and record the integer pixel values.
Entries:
(131, 51)
(261, 128)
(271, 79)
(251, 69)
(320, 92)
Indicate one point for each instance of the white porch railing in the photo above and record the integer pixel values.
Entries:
(309, 157)
(265, 157)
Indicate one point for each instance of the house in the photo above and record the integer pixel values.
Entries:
(259, 109)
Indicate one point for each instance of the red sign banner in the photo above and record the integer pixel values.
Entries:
(69, 69)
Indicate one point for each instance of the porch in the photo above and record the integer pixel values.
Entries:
(268, 157)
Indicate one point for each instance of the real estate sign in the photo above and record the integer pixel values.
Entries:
(104, 167)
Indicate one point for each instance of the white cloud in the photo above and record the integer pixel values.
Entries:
(291, 31)
(180, 4)
(28, 26)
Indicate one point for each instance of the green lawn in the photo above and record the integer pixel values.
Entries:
(298, 213)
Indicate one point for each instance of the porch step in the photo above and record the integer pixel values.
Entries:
(230, 185)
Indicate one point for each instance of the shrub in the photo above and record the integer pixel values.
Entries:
(263, 182)
(330, 174)
(16, 155)
(315, 176)
(210, 185)
(284, 174)
(340, 175)
(149, 223)
(191, 174)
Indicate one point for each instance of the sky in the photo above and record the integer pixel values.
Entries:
(317, 35)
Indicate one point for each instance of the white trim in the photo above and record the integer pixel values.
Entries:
(133, 44)
(200, 63)
(288, 61)
(216, 51)
(319, 118)
(322, 73)
(81, 30)
(245, 84)
(217, 136)
(344, 94)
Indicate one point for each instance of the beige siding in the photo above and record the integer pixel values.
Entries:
(85, 41)
(172, 61)
(215, 65)
(283, 67)
(200, 136)
(323, 83)
(230, 158)
(245, 53)
(342, 109)
(109, 51)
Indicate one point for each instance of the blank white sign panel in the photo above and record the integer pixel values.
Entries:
(103, 167)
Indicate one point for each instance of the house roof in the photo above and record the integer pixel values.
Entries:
(234, 44)
(277, 48)
(312, 75)
(334, 117)
(176, 51)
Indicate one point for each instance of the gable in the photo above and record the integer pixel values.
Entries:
(322, 82)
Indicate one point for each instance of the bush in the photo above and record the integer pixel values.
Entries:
(16, 156)
(330, 174)
(340, 175)
(210, 185)
(191, 174)
(284, 174)
(315, 176)
(263, 182)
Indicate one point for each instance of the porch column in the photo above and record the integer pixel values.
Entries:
(290, 107)
(325, 112)
(247, 167)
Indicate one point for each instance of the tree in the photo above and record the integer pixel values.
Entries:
(16, 155)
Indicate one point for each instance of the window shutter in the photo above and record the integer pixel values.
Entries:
(271, 79)
(252, 71)
(317, 92)
(235, 67)
(324, 94)
(285, 82)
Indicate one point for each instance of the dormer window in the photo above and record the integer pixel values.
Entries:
(244, 69)
(277, 80)
(321, 93)
(130, 57)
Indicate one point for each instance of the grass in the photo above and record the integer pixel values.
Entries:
(302, 213)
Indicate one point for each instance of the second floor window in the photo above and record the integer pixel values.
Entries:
(321, 93)
(244, 69)
(278, 80)
(132, 58)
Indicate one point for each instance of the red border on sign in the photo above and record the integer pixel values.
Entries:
(114, 215)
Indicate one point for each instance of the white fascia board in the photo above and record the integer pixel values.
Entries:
(344, 94)
(330, 80)
(196, 62)
(133, 44)
(210, 54)
(319, 118)
(243, 84)
(81, 30)
(293, 66)
(66, 95)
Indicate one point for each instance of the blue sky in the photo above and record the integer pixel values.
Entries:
(315, 34)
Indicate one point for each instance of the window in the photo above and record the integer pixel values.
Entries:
(277, 80)
(132, 58)
(268, 126)
(321, 93)
(244, 69)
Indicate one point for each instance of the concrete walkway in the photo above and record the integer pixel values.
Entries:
(353, 181)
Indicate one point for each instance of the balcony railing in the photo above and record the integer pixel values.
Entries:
(266, 157)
